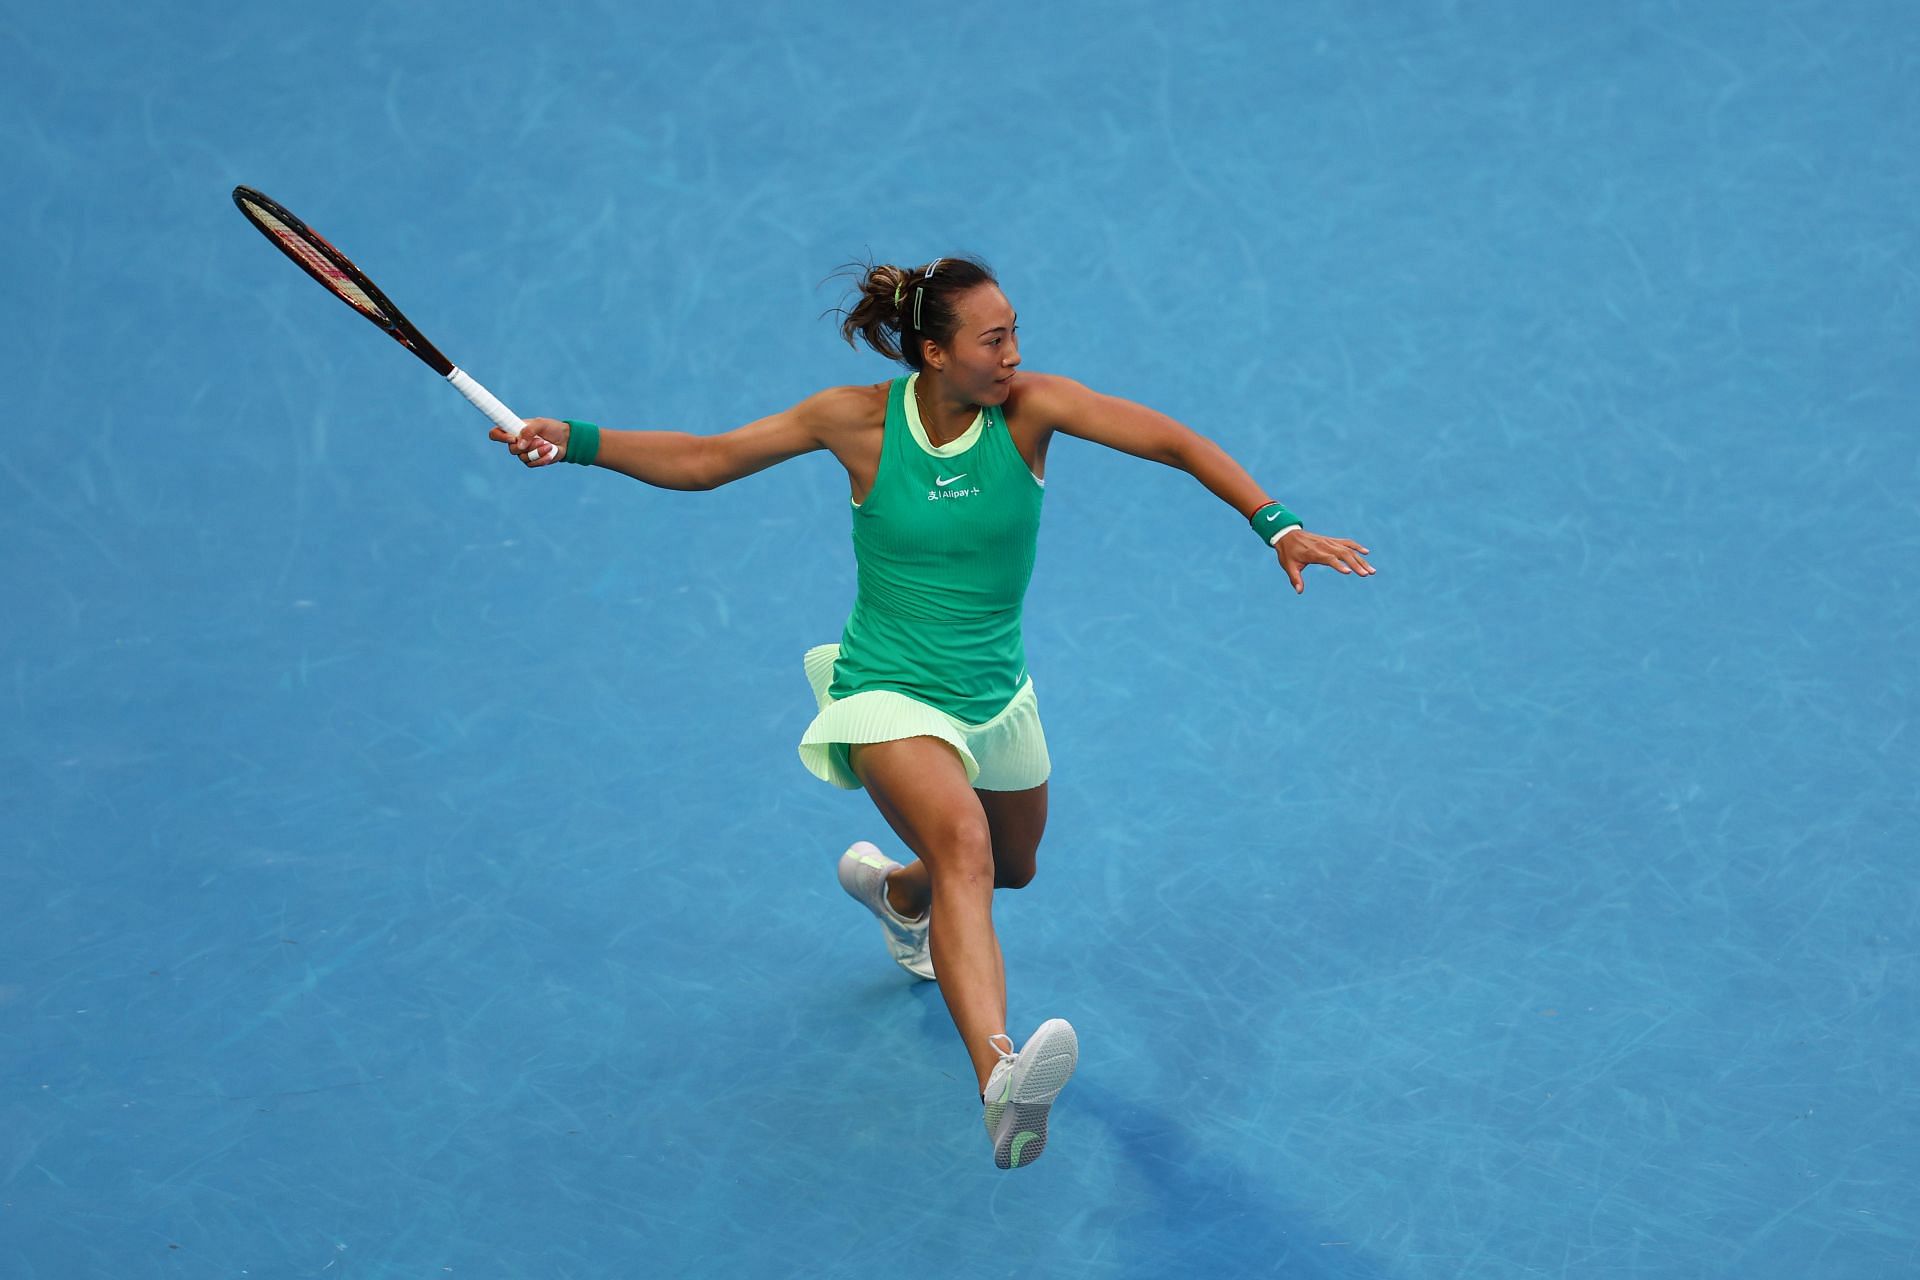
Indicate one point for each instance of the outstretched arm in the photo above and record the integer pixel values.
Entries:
(1067, 406)
(680, 460)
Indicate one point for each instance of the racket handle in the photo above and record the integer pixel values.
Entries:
(486, 402)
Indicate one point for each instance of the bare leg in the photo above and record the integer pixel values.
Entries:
(910, 890)
(1015, 820)
(920, 788)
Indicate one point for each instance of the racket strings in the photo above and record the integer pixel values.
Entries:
(302, 249)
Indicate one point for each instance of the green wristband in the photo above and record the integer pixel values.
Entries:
(1269, 522)
(583, 442)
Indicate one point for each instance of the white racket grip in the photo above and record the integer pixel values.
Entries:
(486, 402)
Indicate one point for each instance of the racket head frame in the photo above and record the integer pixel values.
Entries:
(253, 204)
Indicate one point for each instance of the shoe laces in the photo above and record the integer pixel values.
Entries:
(1003, 1071)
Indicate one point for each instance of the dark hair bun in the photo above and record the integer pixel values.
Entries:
(897, 309)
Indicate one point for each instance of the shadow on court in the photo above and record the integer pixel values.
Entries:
(1208, 1216)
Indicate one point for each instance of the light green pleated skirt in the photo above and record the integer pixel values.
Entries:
(1007, 753)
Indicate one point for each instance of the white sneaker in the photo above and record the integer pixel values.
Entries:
(1022, 1088)
(863, 874)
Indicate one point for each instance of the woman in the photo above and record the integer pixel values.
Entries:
(926, 701)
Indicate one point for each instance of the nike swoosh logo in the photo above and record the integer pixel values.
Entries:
(1273, 517)
(956, 480)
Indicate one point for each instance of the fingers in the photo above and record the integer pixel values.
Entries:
(1343, 555)
(529, 446)
(1322, 551)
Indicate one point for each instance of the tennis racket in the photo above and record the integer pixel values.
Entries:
(336, 272)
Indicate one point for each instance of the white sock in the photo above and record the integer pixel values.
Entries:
(887, 905)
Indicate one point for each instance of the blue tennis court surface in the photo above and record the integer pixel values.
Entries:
(407, 868)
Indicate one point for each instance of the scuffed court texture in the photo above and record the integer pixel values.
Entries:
(406, 866)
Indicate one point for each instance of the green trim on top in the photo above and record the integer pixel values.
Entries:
(964, 442)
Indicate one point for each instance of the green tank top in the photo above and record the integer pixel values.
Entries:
(944, 546)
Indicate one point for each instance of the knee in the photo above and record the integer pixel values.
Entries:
(1014, 877)
(965, 854)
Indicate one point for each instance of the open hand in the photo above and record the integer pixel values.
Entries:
(1299, 549)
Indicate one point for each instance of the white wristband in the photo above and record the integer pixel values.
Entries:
(1274, 541)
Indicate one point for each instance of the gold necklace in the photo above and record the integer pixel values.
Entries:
(920, 401)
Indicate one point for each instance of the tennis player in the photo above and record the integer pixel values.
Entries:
(926, 701)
